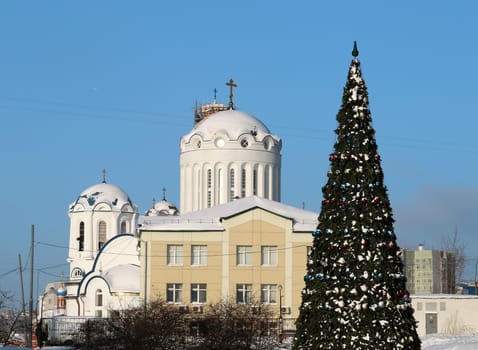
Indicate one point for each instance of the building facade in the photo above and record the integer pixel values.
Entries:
(429, 271)
(446, 314)
(251, 249)
(231, 239)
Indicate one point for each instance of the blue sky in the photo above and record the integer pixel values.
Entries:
(112, 84)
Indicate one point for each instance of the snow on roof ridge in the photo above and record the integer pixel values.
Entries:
(214, 215)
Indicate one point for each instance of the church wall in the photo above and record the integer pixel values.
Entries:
(194, 164)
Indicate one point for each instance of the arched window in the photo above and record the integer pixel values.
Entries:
(101, 234)
(231, 185)
(220, 189)
(123, 227)
(99, 298)
(254, 182)
(243, 183)
(99, 303)
(199, 192)
(209, 188)
(81, 237)
(77, 273)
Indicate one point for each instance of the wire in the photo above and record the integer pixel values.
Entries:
(8, 272)
(163, 256)
(174, 119)
(52, 267)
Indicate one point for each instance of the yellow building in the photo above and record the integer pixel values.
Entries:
(248, 249)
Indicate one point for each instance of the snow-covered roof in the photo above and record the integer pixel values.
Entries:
(123, 278)
(232, 123)
(210, 219)
(117, 264)
(443, 296)
(109, 194)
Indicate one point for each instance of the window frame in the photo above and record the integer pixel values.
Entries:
(102, 233)
(174, 293)
(243, 293)
(269, 293)
(242, 257)
(198, 293)
(269, 255)
(81, 237)
(199, 255)
(175, 255)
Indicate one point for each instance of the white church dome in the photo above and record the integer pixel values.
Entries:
(233, 123)
(123, 278)
(102, 193)
(227, 155)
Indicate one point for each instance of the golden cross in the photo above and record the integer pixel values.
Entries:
(231, 92)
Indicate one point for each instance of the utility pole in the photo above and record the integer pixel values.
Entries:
(30, 306)
(25, 323)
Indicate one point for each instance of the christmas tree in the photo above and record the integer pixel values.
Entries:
(354, 295)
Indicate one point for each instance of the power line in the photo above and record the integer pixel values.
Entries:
(165, 256)
(111, 113)
(8, 272)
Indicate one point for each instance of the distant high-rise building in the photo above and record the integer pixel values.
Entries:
(429, 271)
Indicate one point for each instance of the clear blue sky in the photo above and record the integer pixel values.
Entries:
(112, 84)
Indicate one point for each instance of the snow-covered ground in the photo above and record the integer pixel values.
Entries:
(438, 343)
(428, 343)
(450, 343)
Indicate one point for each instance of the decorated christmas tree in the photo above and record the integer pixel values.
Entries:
(354, 295)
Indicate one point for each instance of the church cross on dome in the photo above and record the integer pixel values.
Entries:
(164, 193)
(231, 92)
(104, 175)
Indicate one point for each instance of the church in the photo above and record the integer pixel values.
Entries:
(230, 238)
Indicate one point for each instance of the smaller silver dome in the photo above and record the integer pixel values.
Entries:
(162, 208)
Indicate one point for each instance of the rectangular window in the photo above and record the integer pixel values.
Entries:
(442, 306)
(244, 255)
(269, 255)
(269, 293)
(175, 254)
(199, 255)
(243, 293)
(174, 293)
(198, 293)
